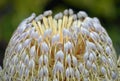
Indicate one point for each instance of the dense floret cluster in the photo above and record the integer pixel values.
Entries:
(66, 47)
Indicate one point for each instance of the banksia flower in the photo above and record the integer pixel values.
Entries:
(66, 47)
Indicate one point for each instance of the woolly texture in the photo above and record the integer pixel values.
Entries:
(66, 47)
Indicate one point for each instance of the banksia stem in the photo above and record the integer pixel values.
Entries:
(66, 47)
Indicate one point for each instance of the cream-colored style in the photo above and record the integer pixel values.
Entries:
(66, 47)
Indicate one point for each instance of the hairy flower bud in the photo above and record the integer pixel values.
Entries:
(66, 47)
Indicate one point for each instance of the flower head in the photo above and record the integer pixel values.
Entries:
(66, 47)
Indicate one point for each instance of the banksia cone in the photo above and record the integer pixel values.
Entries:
(66, 47)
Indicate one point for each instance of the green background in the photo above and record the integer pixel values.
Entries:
(12, 12)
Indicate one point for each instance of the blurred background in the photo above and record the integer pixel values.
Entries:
(12, 12)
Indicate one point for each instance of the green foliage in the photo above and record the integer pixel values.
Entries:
(105, 8)
(19, 10)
